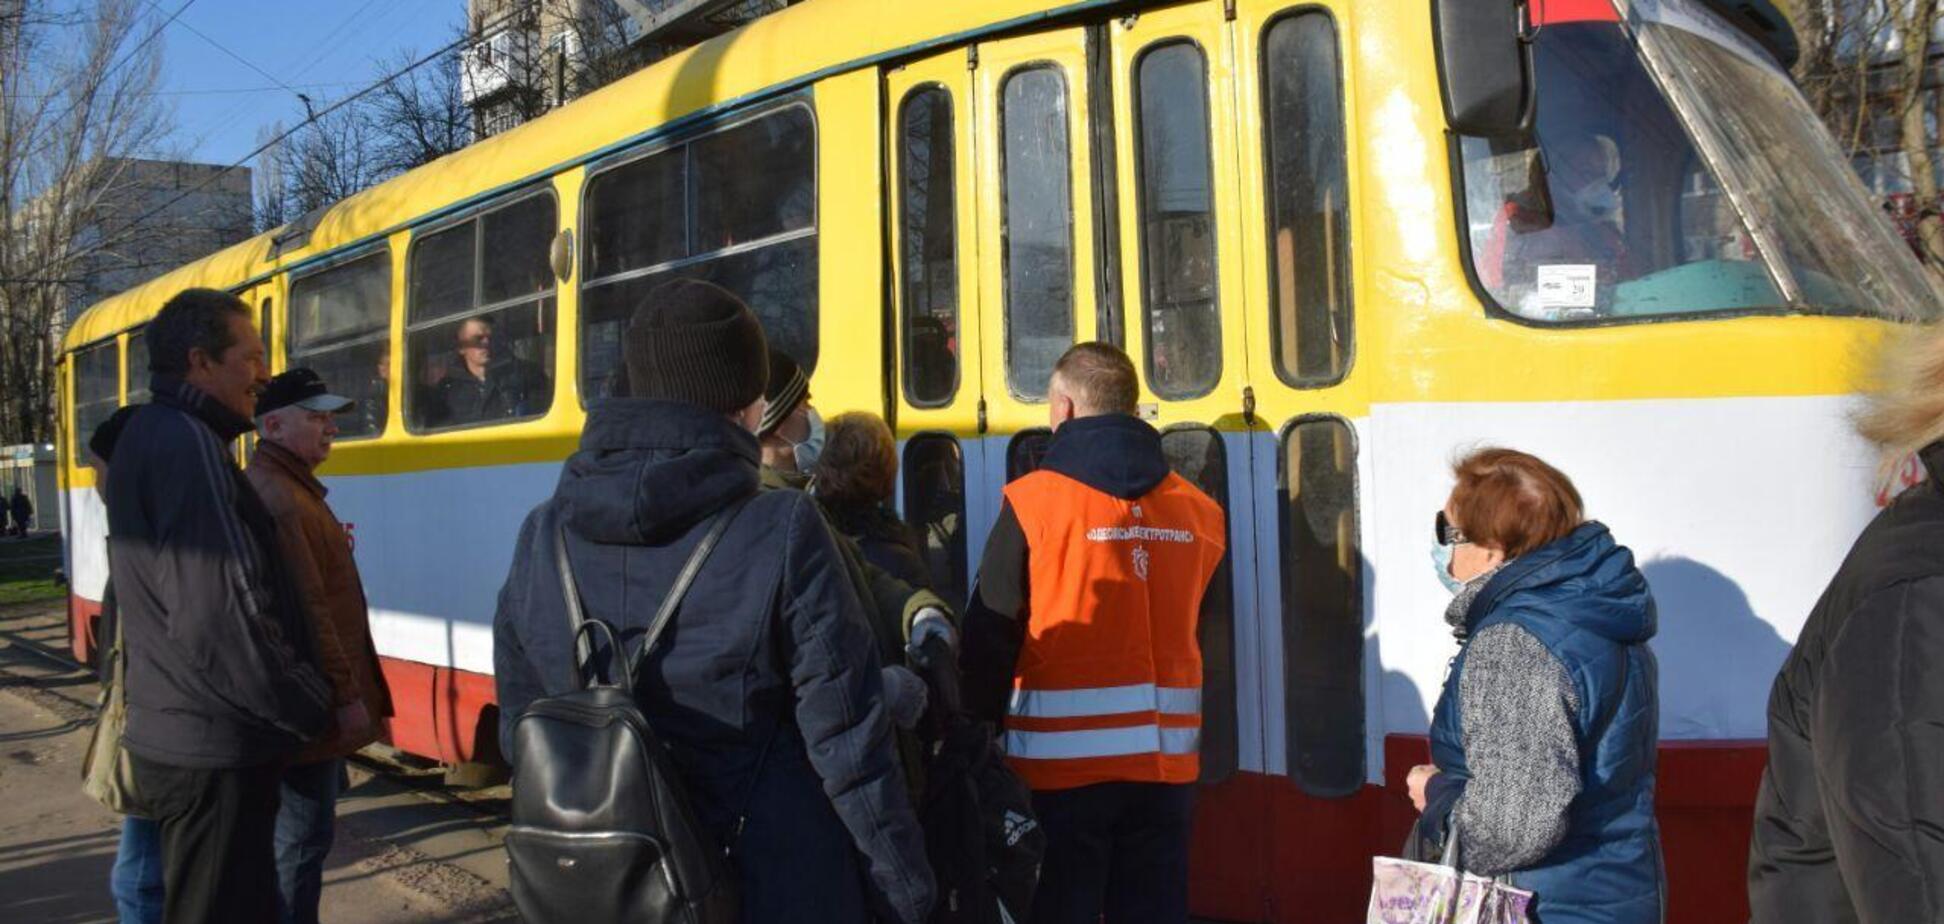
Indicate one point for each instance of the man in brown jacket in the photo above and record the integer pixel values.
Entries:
(295, 418)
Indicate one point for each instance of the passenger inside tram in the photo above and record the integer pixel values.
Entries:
(1671, 168)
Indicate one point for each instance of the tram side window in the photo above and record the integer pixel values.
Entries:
(928, 246)
(1183, 319)
(934, 507)
(736, 207)
(1308, 201)
(1197, 454)
(340, 327)
(97, 387)
(1026, 451)
(1037, 242)
(137, 354)
(1322, 607)
(480, 319)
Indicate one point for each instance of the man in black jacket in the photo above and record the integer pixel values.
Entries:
(766, 685)
(222, 684)
(1849, 818)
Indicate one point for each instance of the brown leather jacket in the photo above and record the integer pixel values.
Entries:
(317, 553)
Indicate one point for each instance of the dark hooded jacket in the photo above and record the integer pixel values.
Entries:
(1112, 453)
(884, 540)
(771, 645)
(1583, 599)
(221, 670)
(1849, 822)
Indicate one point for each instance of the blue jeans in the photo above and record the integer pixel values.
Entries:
(136, 882)
(306, 823)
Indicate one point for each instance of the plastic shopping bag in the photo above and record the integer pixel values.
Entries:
(1409, 892)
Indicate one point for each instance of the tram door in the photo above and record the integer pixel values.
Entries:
(1293, 102)
(995, 244)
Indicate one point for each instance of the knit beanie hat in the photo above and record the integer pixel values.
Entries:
(696, 342)
(787, 389)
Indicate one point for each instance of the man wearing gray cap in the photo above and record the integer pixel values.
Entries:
(296, 419)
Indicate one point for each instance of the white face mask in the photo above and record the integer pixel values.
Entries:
(806, 452)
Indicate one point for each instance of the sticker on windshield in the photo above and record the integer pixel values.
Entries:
(1567, 285)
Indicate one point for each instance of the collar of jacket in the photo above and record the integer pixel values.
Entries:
(1113, 453)
(1610, 596)
(1933, 459)
(171, 391)
(287, 462)
(649, 469)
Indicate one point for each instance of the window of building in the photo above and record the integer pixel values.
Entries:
(1196, 453)
(1026, 451)
(479, 341)
(137, 355)
(736, 207)
(1322, 606)
(928, 246)
(934, 507)
(1183, 318)
(340, 328)
(97, 390)
(1309, 200)
(1036, 195)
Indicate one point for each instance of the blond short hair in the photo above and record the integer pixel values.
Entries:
(1100, 378)
(1905, 410)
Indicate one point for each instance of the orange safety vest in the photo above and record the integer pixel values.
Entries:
(1108, 685)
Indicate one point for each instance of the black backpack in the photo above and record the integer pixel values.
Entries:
(983, 840)
(602, 828)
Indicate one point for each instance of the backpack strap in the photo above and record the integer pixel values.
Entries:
(576, 617)
(679, 589)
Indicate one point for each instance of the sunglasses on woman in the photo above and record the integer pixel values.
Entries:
(1447, 533)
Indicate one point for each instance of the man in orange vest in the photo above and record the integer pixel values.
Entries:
(1081, 638)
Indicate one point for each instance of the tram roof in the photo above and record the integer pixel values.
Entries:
(780, 52)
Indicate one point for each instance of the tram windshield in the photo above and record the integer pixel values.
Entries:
(1675, 170)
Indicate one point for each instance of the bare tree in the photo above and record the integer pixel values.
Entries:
(330, 158)
(421, 116)
(74, 110)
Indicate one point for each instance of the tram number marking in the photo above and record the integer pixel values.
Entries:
(1568, 285)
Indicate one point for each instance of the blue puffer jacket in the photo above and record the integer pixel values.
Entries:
(1584, 600)
(771, 640)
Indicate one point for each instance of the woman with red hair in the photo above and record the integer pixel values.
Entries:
(1544, 738)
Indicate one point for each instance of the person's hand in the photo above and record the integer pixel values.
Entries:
(904, 695)
(932, 622)
(1415, 781)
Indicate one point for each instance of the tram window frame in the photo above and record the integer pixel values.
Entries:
(136, 377)
(1034, 389)
(954, 583)
(299, 349)
(89, 412)
(1154, 283)
(912, 367)
(1221, 737)
(1338, 265)
(426, 327)
(1344, 751)
(793, 254)
(1034, 440)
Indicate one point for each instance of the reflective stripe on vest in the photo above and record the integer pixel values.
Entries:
(1103, 701)
(1103, 742)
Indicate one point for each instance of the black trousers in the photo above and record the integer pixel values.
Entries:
(219, 862)
(1114, 849)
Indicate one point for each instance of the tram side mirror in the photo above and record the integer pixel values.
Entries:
(1485, 66)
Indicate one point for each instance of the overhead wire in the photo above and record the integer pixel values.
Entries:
(267, 145)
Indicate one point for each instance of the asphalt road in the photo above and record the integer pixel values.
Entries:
(408, 850)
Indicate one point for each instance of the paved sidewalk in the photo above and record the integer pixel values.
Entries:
(408, 850)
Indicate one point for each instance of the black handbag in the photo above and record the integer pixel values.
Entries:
(602, 828)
